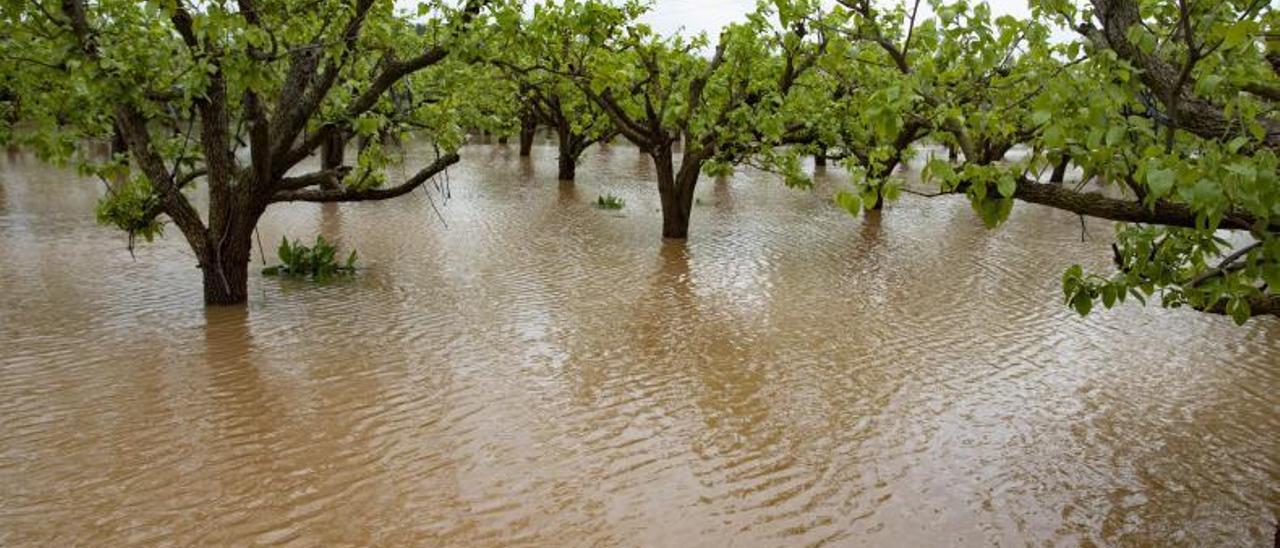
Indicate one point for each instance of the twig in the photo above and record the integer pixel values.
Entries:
(1224, 265)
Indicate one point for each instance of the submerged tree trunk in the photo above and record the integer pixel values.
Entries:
(226, 283)
(225, 249)
(675, 188)
(568, 165)
(570, 147)
(528, 128)
(225, 261)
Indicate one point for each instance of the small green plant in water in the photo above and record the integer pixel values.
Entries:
(318, 261)
(609, 201)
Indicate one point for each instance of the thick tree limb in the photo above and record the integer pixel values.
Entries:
(173, 203)
(1095, 204)
(324, 178)
(1259, 305)
(1263, 90)
(629, 128)
(393, 72)
(370, 194)
(133, 127)
(292, 117)
(699, 83)
(1191, 112)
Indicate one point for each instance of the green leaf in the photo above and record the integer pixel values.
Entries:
(1083, 303)
(849, 202)
(1243, 169)
(1239, 310)
(285, 252)
(1115, 134)
(1160, 181)
(1006, 185)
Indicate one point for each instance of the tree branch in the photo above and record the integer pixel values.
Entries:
(1193, 113)
(1095, 204)
(360, 195)
(329, 178)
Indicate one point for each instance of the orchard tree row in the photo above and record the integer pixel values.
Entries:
(1161, 115)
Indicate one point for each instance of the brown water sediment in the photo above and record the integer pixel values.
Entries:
(542, 372)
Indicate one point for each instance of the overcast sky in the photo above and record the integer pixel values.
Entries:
(693, 16)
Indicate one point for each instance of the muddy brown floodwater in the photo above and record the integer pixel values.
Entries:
(542, 372)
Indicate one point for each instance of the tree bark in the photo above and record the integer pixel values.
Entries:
(332, 153)
(568, 165)
(1060, 170)
(820, 159)
(528, 128)
(570, 146)
(675, 188)
(226, 282)
(118, 143)
(1189, 111)
(225, 264)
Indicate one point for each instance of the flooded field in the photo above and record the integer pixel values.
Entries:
(527, 369)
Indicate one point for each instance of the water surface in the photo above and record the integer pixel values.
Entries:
(541, 372)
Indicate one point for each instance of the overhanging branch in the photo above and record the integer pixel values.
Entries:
(369, 194)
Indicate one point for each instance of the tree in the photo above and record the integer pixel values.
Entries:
(189, 88)
(659, 91)
(1168, 107)
(537, 53)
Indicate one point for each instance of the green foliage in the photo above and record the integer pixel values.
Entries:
(318, 261)
(128, 207)
(984, 84)
(609, 201)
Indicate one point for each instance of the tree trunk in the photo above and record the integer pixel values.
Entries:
(820, 159)
(226, 274)
(332, 152)
(226, 254)
(1060, 170)
(503, 140)
(528, 128)
(227, 283)
(676, 190)
(118, 144)
(568, 165)
(569, 149)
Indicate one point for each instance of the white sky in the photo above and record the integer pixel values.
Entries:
(694, 16)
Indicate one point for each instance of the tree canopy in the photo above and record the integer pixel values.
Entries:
(1159, 115)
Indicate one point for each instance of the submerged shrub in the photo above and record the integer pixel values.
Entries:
(609, 201)
(318, 261)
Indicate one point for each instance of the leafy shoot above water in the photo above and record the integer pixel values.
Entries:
(318, 261)
(609, 201)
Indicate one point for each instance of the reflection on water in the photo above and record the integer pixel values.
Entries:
(528, 369)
